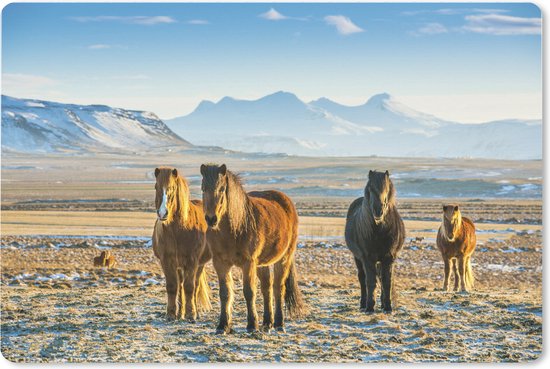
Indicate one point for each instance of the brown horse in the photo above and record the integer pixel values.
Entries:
(252, 231)
(179, 241)
(106, 259)
(456, 241)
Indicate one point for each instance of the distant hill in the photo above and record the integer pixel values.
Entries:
(281, 122)
(44, 126)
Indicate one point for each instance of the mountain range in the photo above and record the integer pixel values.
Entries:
(382, 126)
(276, 123)
(44, 126)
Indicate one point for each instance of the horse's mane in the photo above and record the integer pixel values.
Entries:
(239, 207)
(453, 226)
(181, 200)
(365, 221)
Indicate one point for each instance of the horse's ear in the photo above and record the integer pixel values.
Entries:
(444, 207)
(175, 172)
(203, 169)
(223, 169)
(456, 207)
(387, 173)
(370, 173)
(157, 171)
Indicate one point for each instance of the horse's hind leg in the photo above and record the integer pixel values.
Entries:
(180, 296)
(266, 280)
(370, 272)
(281, 270)
(362, 283)
(387, 284)
(249, 288)
(462, 272)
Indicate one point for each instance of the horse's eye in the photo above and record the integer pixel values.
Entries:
(222, 189)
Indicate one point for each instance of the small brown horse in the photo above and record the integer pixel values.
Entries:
(179, 241)
(456, 241)
(106, 259)
(252, 231)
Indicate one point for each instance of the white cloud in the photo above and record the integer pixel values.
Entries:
(273, 15)
(18, 81)
(501, 25)
(453, 11)
(343, 24)
(430, 29)
(99, 46)
(138, 19)
(198, 22)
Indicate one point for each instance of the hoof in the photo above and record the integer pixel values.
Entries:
(280, 329)
(388, 311)
(252, 329)
(267, 328)
(191, 320)
(224, 330)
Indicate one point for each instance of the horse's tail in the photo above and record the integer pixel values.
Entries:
(469, 276)
(203, 292)
(293, 296)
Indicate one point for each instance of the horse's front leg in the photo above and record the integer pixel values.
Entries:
(190, 275)
(225, 280)
(370, 273)
(249, 289)
(447, 271)
(387, 284)
(362, 283)
(170, 274)
(266, 279)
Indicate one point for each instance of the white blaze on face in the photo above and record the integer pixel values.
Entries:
(162, 210)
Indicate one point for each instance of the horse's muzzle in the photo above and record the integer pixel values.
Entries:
(211, 221)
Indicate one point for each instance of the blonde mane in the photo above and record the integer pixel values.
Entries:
(179, 204)
(452, 227)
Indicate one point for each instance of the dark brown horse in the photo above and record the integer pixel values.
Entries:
(456, 240)
(179, 241)
(375, 233)
(252, 231)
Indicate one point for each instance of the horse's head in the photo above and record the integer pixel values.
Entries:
(214, 193)
(166, 188)
(379, 194)
(451, 220)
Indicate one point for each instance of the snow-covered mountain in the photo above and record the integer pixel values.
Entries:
(281, 122)
(43, 126)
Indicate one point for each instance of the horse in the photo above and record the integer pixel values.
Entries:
(179, 242)
(106, 259)
(375, 234)
(251, 231)
(456, 240)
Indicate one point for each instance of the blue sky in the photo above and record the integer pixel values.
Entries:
(470, 62)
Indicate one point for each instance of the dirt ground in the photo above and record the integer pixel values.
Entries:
(56, 307)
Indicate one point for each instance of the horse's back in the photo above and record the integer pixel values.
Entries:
(469, 235)
(275, 197)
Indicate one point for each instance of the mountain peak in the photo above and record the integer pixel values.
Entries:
(280, 96)
(379, 99)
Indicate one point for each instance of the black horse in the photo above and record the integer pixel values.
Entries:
(374, 234)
